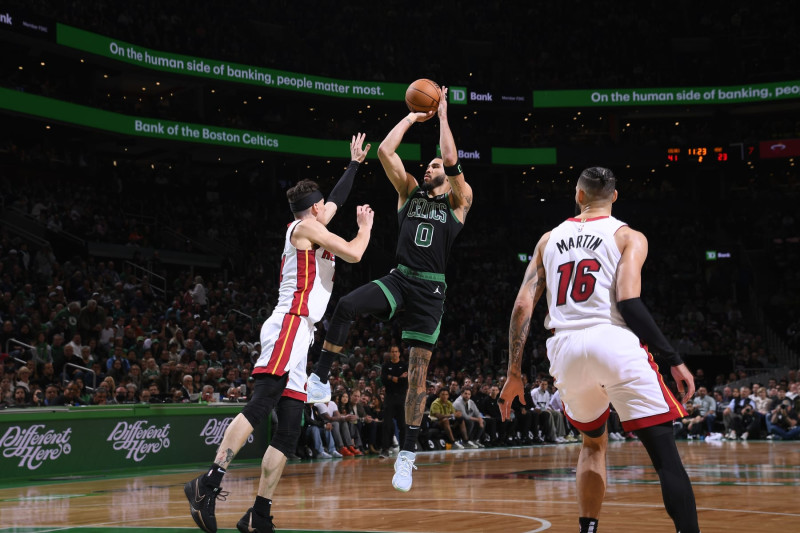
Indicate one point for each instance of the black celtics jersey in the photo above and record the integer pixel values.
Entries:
(428, 228)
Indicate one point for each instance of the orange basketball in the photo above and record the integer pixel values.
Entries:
(423, 96)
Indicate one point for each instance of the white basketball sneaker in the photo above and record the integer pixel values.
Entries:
(317, 391)
(403, 467)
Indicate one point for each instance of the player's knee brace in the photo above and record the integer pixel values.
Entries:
(266, 393)
(290, 416)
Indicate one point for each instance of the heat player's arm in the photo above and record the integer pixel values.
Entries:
(532, 288)
(629, 289)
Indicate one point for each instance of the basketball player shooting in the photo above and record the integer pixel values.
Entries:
(430, 215)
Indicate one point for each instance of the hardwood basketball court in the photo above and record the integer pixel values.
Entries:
(750, 486)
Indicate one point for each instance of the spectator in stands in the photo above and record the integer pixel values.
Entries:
(445, 416)
(117, 371)
(155, 393)
(151, 370)
(6, 391)
(764, 403)
(472, 417)
(705, 404)
(187, 388)
(319, 433)
(177, 397)
(742, 415)
(24, 379)
(206, 394)
(51, 396)
(135, 375)
(132, 393)
(496, 428)
(542, 417)
(690, 426)
(783, 423)
(57, 350)
(350, 424)
(120, 396)
(107, 334)
(47, 376)
(91, 321)
(329, 412)
(144, 396)
(563, 428)
(70, 396)
(374, 408)
(20, 398)
(714, 419)
(233, 395)
(42, 353)
(364, 425)
(100, 396)
(199, 295)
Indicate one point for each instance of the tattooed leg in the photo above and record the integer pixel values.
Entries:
(235, 436)
(417, 391)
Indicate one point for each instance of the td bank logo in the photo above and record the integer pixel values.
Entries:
(458, 95)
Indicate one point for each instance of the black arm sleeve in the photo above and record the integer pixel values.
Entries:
(642, 324)
(342, 188)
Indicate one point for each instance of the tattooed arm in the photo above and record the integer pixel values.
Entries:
(533, 287)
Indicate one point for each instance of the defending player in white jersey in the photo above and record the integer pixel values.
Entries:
(591, 269)
(307, 269)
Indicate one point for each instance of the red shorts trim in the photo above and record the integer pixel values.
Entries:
(294, 394)
(590, 426)
(676, 410)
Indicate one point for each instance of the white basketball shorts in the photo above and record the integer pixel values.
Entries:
(604, 364)
(285, 339)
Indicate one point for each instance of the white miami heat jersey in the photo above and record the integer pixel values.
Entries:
(580, 262)
(306, 280)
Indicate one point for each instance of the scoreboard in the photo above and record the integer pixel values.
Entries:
(703, 155)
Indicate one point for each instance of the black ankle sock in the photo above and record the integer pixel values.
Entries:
(588, 525)
(323, 366)
(412, 433)
(214, 476)
(262, 506)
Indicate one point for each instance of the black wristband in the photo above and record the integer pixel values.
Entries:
(642, 324)
(454, 170)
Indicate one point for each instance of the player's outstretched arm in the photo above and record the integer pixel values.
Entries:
(351, 251)
(341, 190)
(462, 192)
(403, 182)
(533, 286)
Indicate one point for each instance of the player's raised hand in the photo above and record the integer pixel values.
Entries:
(356, 152)
(512, 389)
(442, 110)
(364, 216)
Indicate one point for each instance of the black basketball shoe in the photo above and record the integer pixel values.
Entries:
(253, 522)
(202, 501)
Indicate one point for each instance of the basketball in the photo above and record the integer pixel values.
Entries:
(423, 96)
